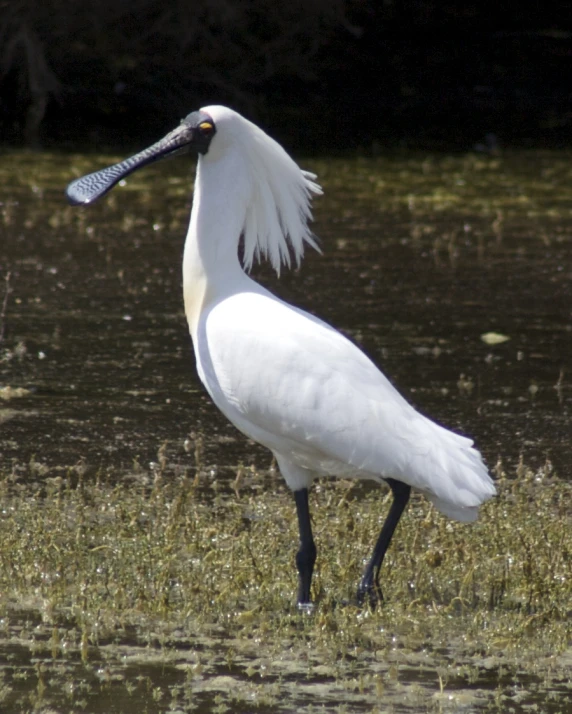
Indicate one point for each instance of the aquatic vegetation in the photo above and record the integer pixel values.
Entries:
(104, 579)
(136, 579)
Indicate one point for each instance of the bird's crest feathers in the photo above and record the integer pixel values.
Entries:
(277, 216)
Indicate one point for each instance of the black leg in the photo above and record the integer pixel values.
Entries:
(306, 556)
(369, 586)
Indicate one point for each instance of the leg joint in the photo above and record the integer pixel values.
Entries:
(306, 557)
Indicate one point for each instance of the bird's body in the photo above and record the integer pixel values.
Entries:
(300, 388)
(288, 380)
(280, 375)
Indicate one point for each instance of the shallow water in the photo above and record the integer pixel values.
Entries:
(144, 677)
(422, 255)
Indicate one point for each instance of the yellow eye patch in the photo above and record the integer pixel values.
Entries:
(206, 126)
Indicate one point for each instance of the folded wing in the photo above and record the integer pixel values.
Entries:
(302, 389)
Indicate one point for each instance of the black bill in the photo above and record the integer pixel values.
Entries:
(195, 131)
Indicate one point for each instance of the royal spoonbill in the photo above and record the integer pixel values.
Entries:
(282, 376)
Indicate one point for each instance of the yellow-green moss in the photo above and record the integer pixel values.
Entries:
(202, 585)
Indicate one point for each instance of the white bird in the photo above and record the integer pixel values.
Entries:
(280, 375)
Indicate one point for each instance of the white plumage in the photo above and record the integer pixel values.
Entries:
(280, 375)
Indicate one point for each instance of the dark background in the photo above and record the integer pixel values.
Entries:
(332, 75)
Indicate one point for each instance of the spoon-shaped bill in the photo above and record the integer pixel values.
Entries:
(89, 188)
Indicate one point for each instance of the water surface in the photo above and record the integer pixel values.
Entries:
(454, 274)
(422, 256)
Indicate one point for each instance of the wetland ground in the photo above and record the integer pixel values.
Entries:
(147, 549)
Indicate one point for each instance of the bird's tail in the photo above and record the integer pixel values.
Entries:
(461, 480)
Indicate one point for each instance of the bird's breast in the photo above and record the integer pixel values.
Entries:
(291, 382)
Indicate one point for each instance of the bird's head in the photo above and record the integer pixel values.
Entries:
(194, 134)
(278, 196)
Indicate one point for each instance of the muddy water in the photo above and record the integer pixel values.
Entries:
(454, 273)
(422, 256)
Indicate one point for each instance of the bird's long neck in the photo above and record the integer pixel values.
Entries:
(211, 268)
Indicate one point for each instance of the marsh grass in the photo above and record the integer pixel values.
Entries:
(201, 584)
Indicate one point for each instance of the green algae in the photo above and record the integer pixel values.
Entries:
(104, 581)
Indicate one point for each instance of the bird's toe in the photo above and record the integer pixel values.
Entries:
(369, 596)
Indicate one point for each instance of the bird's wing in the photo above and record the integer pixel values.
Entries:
(301, 388)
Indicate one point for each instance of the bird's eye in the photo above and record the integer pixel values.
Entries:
(206, 127)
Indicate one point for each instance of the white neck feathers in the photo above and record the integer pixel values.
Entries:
(276, 193)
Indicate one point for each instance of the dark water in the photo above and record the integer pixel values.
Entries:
(422, 255)
(147, 680)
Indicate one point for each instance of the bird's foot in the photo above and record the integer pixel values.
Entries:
(307, 608)
(369, 595)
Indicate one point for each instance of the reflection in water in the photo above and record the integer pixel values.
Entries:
(422, 256)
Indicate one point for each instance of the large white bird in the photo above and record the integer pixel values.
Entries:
(280, 375)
